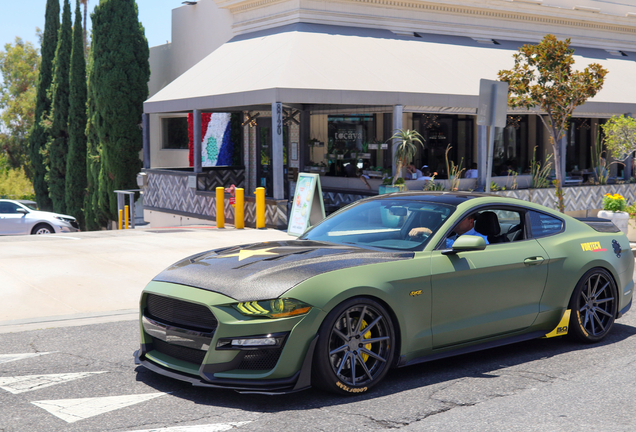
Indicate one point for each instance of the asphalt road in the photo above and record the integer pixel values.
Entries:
(541, 385)
(59, 374)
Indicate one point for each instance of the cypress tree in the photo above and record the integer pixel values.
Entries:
(57, 146)
(39, 137)
(75, 190)
(118, 86)
(94, 219)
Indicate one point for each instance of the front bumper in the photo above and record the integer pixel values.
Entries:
(301, 380)
(183, 330)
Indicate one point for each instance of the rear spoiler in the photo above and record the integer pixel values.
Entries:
(599, 224)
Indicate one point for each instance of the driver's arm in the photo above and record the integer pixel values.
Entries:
(419, 231)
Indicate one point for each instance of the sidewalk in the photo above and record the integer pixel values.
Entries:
(88, 277)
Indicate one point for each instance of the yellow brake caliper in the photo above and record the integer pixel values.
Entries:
(367, 335)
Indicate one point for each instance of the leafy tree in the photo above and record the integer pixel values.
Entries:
(57, 121)
(76, 159)
(39, 137)
(542, 79)
(14, 183)
(19, 67)
(620, 136)
(117, 88)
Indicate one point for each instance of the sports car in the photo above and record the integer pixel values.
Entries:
(359, 293)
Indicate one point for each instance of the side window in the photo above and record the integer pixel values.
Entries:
(544, 225)
(175, 133)
(500, 225)
(8, 207)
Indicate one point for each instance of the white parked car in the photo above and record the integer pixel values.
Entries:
(22, 217)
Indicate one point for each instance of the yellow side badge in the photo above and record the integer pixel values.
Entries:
(562, 328)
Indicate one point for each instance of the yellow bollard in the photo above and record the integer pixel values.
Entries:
(121, 217)
(260, 207)
(126, 214)
(239, 212)
(220, 207)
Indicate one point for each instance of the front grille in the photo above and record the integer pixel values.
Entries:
(74, 224)
(180, 313)
(179, 352)
(260, 359)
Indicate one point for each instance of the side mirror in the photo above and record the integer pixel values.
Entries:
(465, 243)
(21, 210)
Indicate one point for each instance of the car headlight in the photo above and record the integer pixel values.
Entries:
(276, 308)
(67, 220)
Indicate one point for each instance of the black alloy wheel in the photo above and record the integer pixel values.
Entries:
(355, 347)
(593, 306)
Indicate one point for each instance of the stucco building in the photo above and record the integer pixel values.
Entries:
(340, 76)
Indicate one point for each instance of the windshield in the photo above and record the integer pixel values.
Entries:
(383, 223)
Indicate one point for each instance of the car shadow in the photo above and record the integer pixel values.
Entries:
(480, 364)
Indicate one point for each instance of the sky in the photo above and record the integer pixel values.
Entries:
(21, 17)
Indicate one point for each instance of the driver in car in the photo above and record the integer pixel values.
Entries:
(466, 226)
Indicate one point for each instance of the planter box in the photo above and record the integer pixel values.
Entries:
(631, 231)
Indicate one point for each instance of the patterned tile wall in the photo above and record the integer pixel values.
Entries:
(170, 192)
(576, 198)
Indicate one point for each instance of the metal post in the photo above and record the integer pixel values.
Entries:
(220, 207)
(260, 207)
(397, 124)
(277, 151)
(145, 122)
(126, 216)
(482, 155)
(491, 146)
(196, 137)
(239, 210)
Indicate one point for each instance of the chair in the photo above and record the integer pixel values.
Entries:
(487, 223)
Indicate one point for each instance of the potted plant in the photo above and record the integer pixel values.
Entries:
(614, 209)
(405, 149)
(390, 185)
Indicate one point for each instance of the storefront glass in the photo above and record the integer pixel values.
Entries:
(351, 144)
(441, 133)
(511, 147)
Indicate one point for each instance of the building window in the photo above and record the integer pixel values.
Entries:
(511, 147)
(349, 138)
(175, 133)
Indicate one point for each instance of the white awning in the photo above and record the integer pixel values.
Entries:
(327, 65)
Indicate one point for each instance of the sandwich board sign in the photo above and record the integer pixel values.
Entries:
(307, 208)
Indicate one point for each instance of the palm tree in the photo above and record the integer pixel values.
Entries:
(406, 148)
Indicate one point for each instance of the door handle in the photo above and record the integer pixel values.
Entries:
(533, 260)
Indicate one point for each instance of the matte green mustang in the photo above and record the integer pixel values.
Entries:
(360, 293)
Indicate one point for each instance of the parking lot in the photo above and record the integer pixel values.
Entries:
(96, 276)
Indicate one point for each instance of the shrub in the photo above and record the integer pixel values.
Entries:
(614, 203)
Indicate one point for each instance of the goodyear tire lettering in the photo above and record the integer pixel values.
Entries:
(349, 389)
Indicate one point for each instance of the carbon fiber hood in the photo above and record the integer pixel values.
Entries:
(264, 271)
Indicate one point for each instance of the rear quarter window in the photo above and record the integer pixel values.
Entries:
(543, 225)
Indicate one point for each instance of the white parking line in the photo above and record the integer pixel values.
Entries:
(72, 410)
(22, 384)
(6, 358)
(216, 427)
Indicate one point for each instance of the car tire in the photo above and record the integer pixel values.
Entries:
(593, 306)
(42, 228)
(342, 362)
